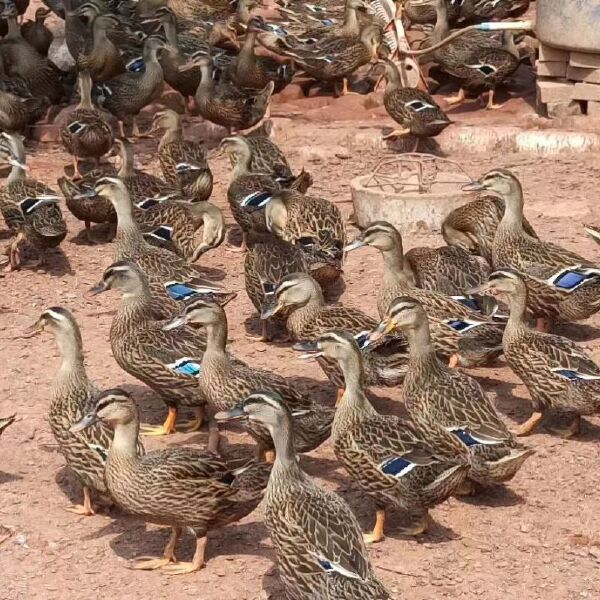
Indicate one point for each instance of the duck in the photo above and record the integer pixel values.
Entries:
(225, 104)
(181, 487)
(36, 33)
(183, 162)
(73, 397)
(417, 12)
(476, 58)
(128, 93)
(267, 157)
(462, 326)
(559, 375)
(87, 133)
(473, 225)
(337, 59)
(223, 381)
(159, 264)
(564, 285)
(30, 208)
(449, 270)
(319, 545)
(391, 459)
(18, 106)
(308, 317)
(414, 110)
(313, 223)
(256, 72)
(447, 403)
(481, 10)
(6, 422)
(165, 362)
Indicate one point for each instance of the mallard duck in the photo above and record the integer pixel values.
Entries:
(86, 134)
(73, 397)
(6, 422)
(18, 106)
(498, 10)
(558, 373)
(314, 224)
(415, 110)
(460, 329)
(337, 59)
(101, 57)
(390, 458)
(564, 285)
(127, 94)
(36, 33)
(473, 225)
(267, 157)
(30, 208)
(593, 232)
(224, 381)
(225, 104)
(449, 270)
(256, 72)
(165, 361)
(308, 317)
(476, 59)
(160, 265)
(419, 12)
(447, 403)
(180, 487)
(183, 162)
(319, 545)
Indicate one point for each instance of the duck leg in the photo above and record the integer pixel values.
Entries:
(340, 395)
(149, 563)
(86, 509)
(456, 100)
(214, 437)
(189, 567)
(76, 171)
(14, 253)
(418, 527)
(490, 103)
(264, 333)
(396, 133)
(530, 425)
(377, 534)
(194, 424)
(345, 90)
(454, 361)
(244, 245)
(122, 129)
(167, 428)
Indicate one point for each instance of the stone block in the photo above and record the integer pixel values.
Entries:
(593, 109)
(558, 110)
(548, 53)
(551, 69)
(587, 61)
(581, 74)
(586, 91)
(554, 91)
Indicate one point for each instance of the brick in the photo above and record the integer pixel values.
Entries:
(551, 69)
(554, 91)
(581, 74)
(548, 53)
(593, 109)
(587, 61)
(587, 91)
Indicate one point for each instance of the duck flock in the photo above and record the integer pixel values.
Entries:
(495, 291)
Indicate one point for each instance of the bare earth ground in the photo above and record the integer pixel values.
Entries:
(538, 538)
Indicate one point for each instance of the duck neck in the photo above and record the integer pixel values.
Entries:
(128, 232)
(350, 24)
(286, 460)
(216, 339)
(99, 35)
(303, 313)
(393, 266)
(126, 168)
(172, 135)
(207, 84)
(16, 174)
(14, 29)
(352, 369)
(241, 166)
(125, 441)
(170, 30)
(72, 368)
(421, 348)
(85, 89)
(249, 43)
(392, 76)
(136, 304)
(150, 55)
(518, 308)
(513, 210)
(441, 28)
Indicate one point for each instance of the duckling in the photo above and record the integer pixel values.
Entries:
(36, 33)
(30, 208)
(299, 296)
(72, 398)
(224, 103)
(127, 94)
(558, 373)
(447, 403)
(564, 285)
(319, 546)
(179, 487)
(390, 458)
(415, 110)
(183, 162)
(87, 134)
(223, 382)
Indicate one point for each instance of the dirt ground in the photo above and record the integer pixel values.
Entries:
(537, 538)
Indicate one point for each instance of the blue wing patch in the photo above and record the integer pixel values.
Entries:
(470, 439)
(574, 375)
(462, 325)
(363, 339)
(186, 366)
(573, 277)
(164, 233)
(256, 199)
(397, 467)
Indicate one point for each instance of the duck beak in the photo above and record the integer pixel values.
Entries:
(13, 162)
(480, 289)
(474, 186)
(175, 323)
(270, 310)
(357, 243)
(89, 193)
(98, 289)
(386, 326)
(84, 423)
(34, 329)
(310, 349)
(235, 414)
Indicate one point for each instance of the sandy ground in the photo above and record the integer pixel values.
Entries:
(537, 538)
